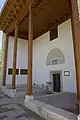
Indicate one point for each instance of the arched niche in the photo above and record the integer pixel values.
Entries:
(55, 56)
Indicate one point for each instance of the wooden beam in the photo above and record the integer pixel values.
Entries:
(30, 42)
(15, 56)
(5, 59)
(76, 44)
(23, 12)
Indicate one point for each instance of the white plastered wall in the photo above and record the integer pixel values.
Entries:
(43, 45)
(22, 53)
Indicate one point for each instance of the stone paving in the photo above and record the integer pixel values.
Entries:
(66, 101)
(13, 109)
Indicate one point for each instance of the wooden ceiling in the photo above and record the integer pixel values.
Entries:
(46, 15)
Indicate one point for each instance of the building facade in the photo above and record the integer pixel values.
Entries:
(49, 57)
(49, 60)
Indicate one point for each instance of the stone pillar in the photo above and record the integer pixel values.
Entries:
(76, 44)
(14, 57)
(30, 42)
(5, 60)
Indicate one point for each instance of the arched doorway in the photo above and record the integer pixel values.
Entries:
(55, 57)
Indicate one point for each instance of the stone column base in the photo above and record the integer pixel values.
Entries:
(78, 117)
(8, 92)
(13, 93)
(27, 98)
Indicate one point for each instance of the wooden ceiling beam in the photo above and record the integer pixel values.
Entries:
(45, 15)
(24, 35)
(52, 25)
(6, 13)
(43, 6)
(12, 10)
(23, 12)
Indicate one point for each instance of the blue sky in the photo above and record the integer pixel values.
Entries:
(1, 5)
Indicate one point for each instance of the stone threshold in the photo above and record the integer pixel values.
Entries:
(47, 111)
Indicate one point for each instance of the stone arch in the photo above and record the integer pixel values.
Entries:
(55, 56)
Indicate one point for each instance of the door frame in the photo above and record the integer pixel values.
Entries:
(51, 79)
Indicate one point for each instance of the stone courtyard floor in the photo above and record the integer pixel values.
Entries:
(13, 109)
(66, 101)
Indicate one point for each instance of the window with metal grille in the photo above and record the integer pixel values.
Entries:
(10, 70)
(23, 71)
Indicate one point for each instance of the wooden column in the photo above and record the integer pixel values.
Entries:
(5, 60)
(15, 56)
(30, 42)
(76, 44)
